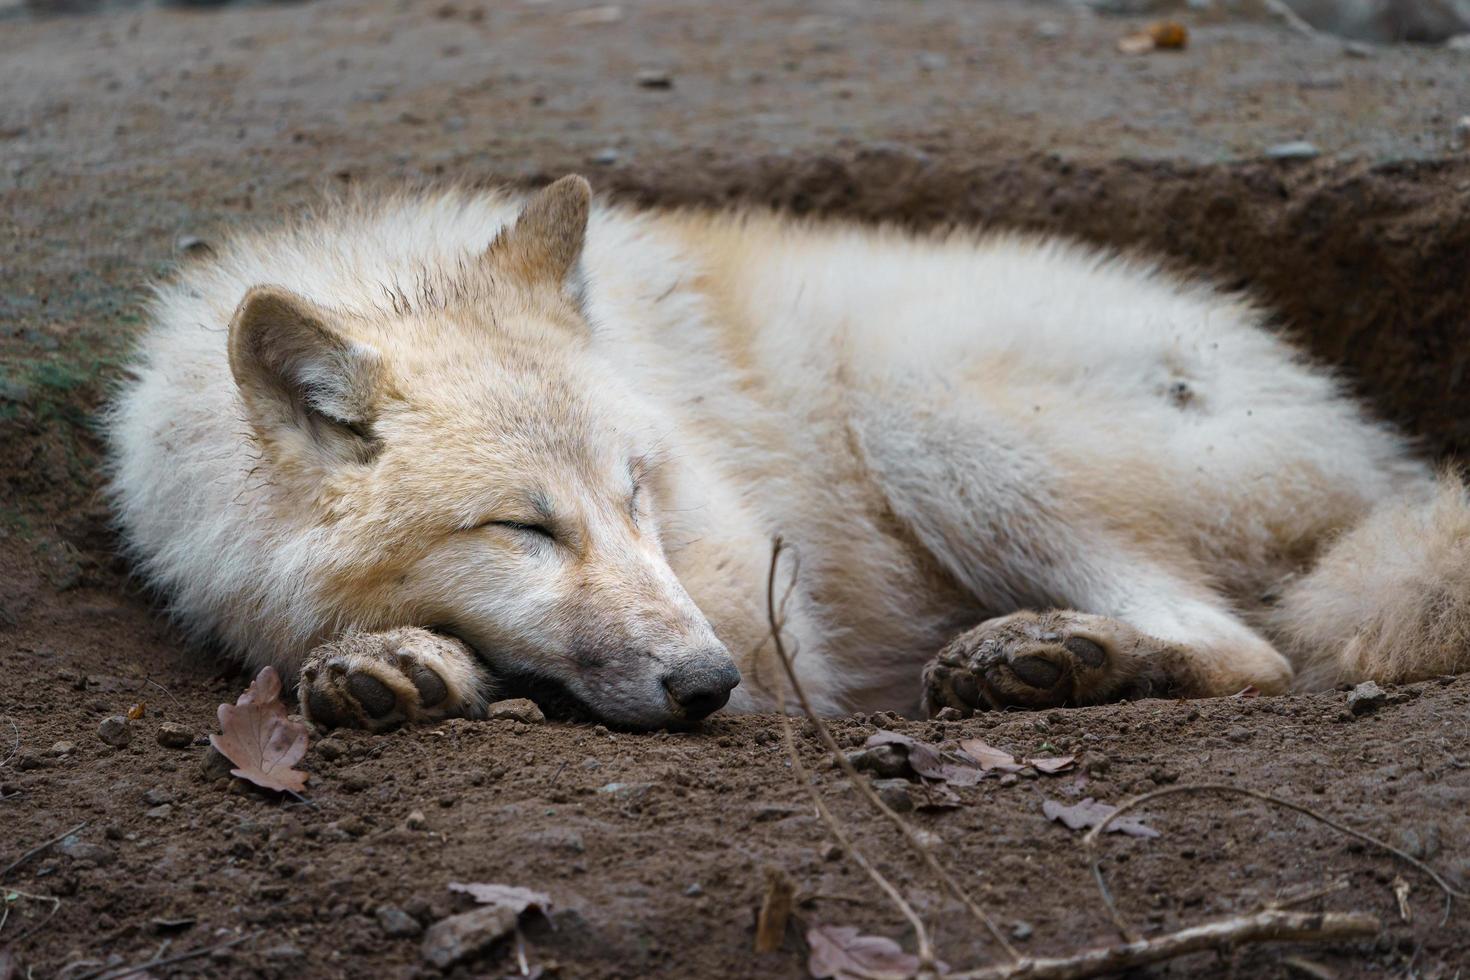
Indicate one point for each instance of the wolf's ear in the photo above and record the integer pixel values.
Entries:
(546, 241)
(309, 388)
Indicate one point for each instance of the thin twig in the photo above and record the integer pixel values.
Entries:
(127, 971)
(1259, 927)
(1294, 20)
(845, 842)
(1090, 840)
(38, 849)
(14, 749)
(1311, 894)
(55, 905)
(149, 680)
(862, 785)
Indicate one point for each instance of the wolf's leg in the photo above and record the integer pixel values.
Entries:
(1161, 644)
(379, 680)
(1390, 599)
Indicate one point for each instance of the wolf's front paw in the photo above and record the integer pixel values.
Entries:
(379, 680)
(1044, 660)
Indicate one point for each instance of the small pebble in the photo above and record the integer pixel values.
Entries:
(655, 78)
(1462, 132)
(114, 731)
(396, 923)
(417, 820)
(1021, 931)
(928, 839)
(895, 793)
(63, 748)
(331, 749)
(80, 850)
(516, 709)
(174, 736)
(606, 157)
(949, 714)
(1366, 698)
(694, 891)
(461, 936)
(158, 796)
(883, 761)
(161, 812)
(285, 953)
(1293, 150)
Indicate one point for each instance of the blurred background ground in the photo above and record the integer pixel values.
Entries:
(1328, 174)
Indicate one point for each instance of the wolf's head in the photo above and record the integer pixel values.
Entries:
(466, 462)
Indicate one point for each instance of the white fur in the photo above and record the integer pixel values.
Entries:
(947, 429)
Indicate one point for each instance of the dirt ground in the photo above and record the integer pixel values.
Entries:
(130, 134)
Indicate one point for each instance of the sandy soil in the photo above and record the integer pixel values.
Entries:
(129, 135)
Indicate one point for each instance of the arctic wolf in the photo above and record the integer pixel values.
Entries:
(427, 450)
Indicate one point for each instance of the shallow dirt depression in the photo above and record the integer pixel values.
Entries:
(654, 848)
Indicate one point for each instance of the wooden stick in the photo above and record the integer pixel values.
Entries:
(1090, 840)
(1271, 926)
(38, 849)
(127, 971)
(848, 847)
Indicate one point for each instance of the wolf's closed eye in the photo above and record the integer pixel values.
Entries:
(539, 530)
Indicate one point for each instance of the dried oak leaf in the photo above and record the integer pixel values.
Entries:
(1089, 813)
(841, 953)
(929, 760)
(512, 897)
(259, 739)
(989, 757)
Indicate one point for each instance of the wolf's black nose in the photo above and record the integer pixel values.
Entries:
(701, 690)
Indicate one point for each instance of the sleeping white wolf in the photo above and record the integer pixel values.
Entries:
(429, 450)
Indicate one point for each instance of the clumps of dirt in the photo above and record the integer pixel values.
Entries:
(653, 849)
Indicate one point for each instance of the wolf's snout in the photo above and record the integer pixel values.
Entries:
(702, 688)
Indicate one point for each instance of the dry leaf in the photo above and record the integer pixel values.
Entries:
(137, 711)
(840, 953)
(1089, 813)
(930, 761)
(259, 739)
(1161, 35)
(512, 897)
(1051, 765)
(991, 758)
(1169, 35)
(770, 923)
